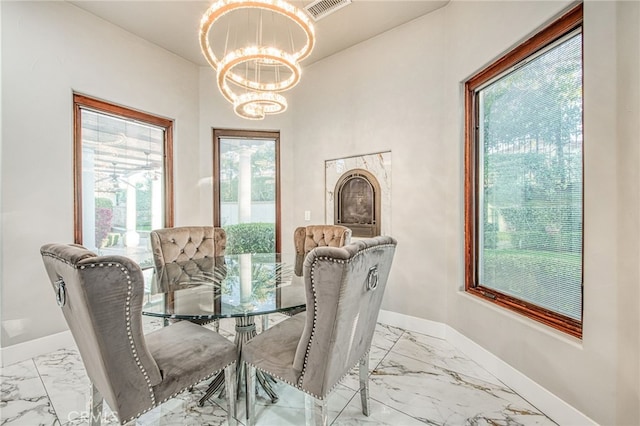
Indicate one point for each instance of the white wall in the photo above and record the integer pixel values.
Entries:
(628, 231)
(386, 95)
(49, 50)
(403, 91)
(56, 49)
(584, 373)
(217, 113)
(1, 210)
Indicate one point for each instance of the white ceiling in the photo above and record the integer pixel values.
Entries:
(174, 24)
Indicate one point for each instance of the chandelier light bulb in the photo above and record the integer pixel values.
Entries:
(222, 7)
(255, 105)
(255, 54)
(265, 62)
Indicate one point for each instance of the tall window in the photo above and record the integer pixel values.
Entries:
(524, 165)
(123, 178)
(247, 189)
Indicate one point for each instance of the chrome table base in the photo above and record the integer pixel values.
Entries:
(245, 331)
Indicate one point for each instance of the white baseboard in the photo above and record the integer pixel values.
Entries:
(557, 409)
(561, 412)
(33, 348)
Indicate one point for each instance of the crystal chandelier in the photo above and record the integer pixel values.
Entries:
(253, 70)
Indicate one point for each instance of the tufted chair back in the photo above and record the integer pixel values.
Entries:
(314, 350)
(344, 288)
(177, 275)
(306, 238)
(187, 250)
(101, 298)
(181, 244)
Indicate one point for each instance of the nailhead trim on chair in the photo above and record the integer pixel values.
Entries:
(128, 318)
(135, 354)
(299, 387)
(176, 394)
(128, 322)
(315, 313)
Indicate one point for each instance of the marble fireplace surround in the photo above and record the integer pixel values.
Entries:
(379, 165)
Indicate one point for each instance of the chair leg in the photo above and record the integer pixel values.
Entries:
(95, 406)
(316, 411)
(229, 385)
(250, 394)
(363, 372)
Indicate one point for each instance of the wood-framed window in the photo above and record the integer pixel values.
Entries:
(246, 189)
(524, 178)
(123, 177)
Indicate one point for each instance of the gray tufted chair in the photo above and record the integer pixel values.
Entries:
(101, 298)
(314, 350)
(173, 248)
(306, 238)
(185, 243)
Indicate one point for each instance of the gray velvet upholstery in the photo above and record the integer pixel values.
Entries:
(306, 238)
(177, 275)
(102, 304)
(314, 350)
(185, 243)
(186, 250)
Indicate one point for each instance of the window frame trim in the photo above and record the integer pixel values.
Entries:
(81, 102)
(246, 134)
(568, 22)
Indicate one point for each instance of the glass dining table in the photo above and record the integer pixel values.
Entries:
(240, 286)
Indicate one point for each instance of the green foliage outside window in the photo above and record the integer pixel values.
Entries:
(104, 220)
(251, 238)
(263, 182)
(531, 154)
(143, 208)
(534, 269)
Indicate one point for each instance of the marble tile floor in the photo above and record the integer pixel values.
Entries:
(415, 380)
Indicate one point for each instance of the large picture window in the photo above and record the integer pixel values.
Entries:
(246, 168)
(524, 174)
(123, 178)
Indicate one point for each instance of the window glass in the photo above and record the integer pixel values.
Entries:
(531, 162)
(122, 183)
(246, 203)
(524, 178)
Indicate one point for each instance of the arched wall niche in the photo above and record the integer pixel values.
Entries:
(367, 172)
(357, 203)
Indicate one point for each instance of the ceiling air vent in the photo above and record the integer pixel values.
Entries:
(321, 8)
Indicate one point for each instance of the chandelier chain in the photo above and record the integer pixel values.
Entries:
(258, 90)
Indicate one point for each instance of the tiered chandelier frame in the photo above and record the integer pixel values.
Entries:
(260, 98)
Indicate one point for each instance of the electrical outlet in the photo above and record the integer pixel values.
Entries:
(307, 215)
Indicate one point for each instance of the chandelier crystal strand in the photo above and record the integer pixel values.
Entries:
(222, 7)
(253, 53)
(259, 95)
(254, 105)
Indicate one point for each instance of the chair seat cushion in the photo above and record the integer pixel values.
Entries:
(274, 349)
(181, 350)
